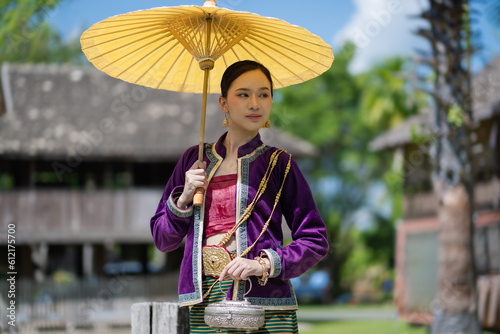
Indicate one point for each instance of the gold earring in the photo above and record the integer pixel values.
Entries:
(267, 125)
(225, 123)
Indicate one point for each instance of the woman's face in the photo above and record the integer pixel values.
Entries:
(249, 101)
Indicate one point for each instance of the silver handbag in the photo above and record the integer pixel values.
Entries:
(233, 315)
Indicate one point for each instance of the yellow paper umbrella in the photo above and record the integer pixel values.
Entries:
(166, 47)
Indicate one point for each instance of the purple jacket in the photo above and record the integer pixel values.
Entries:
(171, 224)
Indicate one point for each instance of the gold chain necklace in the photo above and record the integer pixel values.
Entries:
(262, 187)
(216, 257)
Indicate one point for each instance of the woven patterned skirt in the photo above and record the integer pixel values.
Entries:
(277, 322)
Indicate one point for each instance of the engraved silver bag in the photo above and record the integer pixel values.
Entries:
(233, 315)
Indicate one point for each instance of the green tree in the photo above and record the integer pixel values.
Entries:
(320, 111)
(384, 101)
(334, 112)
(25, 36)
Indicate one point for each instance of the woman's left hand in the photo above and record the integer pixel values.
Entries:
(241, 268)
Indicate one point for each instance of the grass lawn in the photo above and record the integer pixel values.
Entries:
(361, 327)
(375, 326)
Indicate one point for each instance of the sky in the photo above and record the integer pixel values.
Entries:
(379, 28)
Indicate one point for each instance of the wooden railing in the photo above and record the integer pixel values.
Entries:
(73, 215)
(159, 318)
(101, 304)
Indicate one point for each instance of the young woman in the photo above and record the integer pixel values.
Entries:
(236, 235)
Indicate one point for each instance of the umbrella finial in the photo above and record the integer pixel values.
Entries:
(210, 3)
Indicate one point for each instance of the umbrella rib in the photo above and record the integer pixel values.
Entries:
(185, 77)
(288, 38)
(218, 40)
(259, 22)
(149, 26)
(288, 69)
(176, 32)
(191, 38)
(122, 37)
(235, 54)
(253, 56)
(286, 29)
(223, 59)
(181, 33)
(126, 20)
(152, 65)
(171, 67)
(128, 44)
(142, 14)
(292, 51)
(225, 30)
(198, 36)
(237, 34)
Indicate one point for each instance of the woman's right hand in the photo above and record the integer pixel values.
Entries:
(195, 178)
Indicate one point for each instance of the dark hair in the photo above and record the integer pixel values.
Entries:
(235, 70)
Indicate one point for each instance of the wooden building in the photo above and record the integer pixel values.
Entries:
(416, 244)
(84, 159)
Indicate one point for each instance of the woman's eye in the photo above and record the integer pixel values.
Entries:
(243, 95)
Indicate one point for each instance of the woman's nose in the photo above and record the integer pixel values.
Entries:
(254, 102)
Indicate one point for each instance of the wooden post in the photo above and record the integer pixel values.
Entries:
(159, 318)
(140, 319)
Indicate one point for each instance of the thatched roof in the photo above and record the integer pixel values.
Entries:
(53, 111)
(485, 104)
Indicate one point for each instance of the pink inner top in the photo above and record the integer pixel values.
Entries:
(220, 204)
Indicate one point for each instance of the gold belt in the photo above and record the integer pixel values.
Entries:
(215, 258)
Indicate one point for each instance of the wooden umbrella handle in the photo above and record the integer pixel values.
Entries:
(200, 192)
(205, 66)
(198, 196)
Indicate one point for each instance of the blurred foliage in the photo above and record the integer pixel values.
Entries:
(26, 37)
(341, 114)
(357, 263)
(63, 277)
(386, 99)
(6, 181)
(493, 10)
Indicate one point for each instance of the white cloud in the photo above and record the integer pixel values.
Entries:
(382, 28)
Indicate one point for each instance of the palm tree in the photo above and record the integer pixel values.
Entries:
(456, 305)
(25, 35)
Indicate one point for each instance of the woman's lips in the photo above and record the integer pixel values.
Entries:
(254, 117)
